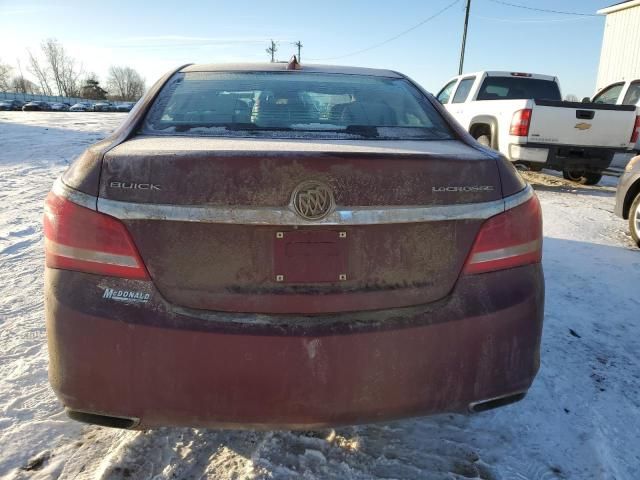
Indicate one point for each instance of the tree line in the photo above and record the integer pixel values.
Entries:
(55, 72)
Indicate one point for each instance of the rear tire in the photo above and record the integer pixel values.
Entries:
(581, 176)
(634, 220)
(484, 140)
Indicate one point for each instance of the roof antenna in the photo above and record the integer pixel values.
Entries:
(293, 64)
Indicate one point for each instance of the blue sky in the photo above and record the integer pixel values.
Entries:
(156, 36)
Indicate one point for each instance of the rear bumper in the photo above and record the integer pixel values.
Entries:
(564, 156)
(168, 366)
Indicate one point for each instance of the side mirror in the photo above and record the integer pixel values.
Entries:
(586, 100)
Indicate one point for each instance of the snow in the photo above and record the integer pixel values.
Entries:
(580, 420)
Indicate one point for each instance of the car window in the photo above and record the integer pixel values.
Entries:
(464, 87)
(294, 105)
(445, 93)
(518, 88)
(609, 95)
(632, 96)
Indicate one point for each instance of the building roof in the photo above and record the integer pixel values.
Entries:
(616, 7)
(282, 67)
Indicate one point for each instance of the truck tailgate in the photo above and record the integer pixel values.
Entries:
(581, 124)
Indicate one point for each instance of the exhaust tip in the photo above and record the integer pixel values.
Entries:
(102, 420)
(491, 403)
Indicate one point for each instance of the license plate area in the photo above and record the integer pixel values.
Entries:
(310, 256)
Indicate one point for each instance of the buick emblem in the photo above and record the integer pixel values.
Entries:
(312, 200)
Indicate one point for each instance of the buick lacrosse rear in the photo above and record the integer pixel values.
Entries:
(287, 246)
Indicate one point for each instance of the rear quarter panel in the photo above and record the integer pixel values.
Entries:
(501, 110)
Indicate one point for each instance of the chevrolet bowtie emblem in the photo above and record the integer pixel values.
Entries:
(583, 126)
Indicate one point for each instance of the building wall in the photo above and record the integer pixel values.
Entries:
(620, 57)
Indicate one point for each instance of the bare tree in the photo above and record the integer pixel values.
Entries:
(40, 72)
(56, 71)
(62, 68)
(5, 73)
(125, 84)
(19, 84)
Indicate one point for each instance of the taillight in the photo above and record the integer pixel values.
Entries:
(77, 238)
(520, 123)
(636, 131)
(508, 240)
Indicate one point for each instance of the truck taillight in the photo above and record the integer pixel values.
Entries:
(520, 123)
(635, 135)
(510, 239)
(77, 238)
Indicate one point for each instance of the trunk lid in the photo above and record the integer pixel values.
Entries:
(215, 223)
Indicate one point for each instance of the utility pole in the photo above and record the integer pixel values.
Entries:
(299, 45)
(464, 37)
(272, 50)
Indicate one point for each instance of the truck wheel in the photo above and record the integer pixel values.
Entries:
(634, 220)
(484, 140)
(581, 176)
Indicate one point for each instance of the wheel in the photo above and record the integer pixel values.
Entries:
(484, 140)
(580, 175)
(634, 220)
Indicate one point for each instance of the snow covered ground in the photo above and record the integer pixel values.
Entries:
(581, 420)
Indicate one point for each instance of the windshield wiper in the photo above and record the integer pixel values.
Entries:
(366, 131)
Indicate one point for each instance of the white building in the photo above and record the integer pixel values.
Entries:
(620, 56)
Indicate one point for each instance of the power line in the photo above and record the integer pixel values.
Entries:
(377, 45)
(531, 20)
(501, 2)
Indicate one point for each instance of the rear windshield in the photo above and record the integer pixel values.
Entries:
(294, 105)
(518, 88)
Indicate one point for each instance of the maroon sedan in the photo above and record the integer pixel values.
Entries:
(287, 246)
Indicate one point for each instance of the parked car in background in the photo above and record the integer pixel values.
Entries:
(59, 107)
(173, 297)
(123, 107)
(523, 116)
(11, 105)
(81, 107)
(36, 106)
(621, 93)
(628, 197)
(103, 107)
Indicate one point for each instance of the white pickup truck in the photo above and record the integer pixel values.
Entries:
(523, 116)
